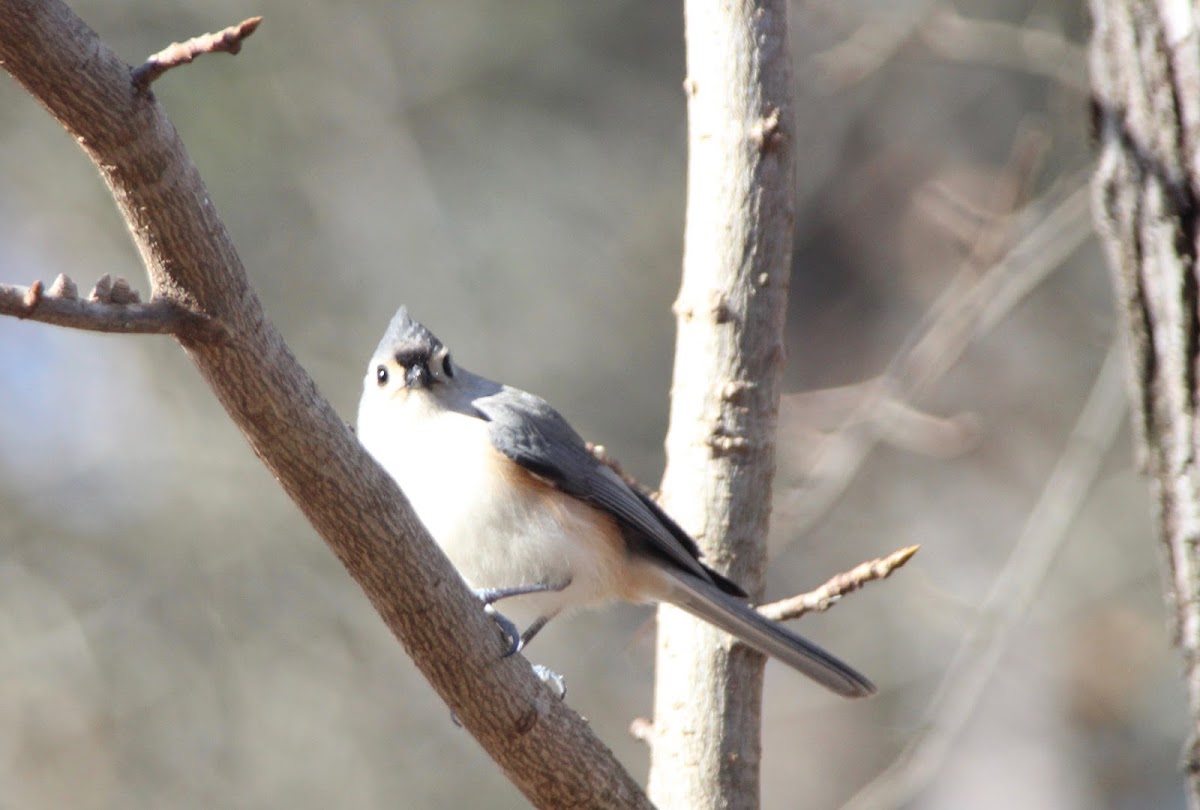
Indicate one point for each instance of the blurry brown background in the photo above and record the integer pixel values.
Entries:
(173, 634)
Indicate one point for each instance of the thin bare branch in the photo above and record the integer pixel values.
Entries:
(823, 598)
(896, 422)
(1013, 592)
(858, 56)
(228, 40)
(877, 40)
(112, 307)
(1042, 53)
(873, 41)
(901, 425)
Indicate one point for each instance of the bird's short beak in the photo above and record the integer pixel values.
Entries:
(416, 376)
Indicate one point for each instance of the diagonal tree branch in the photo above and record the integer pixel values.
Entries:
(544, 748)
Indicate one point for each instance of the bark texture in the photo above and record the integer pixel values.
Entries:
(706, 744)
(543, 746)
(1145, 61)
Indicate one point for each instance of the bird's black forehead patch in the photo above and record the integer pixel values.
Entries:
(407, 341)
(412, 355)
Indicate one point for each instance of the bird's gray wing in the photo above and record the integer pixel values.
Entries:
(527, 430)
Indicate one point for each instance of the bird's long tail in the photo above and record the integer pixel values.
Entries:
(705, 601)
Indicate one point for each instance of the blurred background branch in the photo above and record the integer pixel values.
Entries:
(972, 303)
(1011, 596)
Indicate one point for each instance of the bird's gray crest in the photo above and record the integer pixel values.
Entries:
(405, 333)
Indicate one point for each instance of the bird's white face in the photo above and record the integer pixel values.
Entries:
(400, 388)
(394, 374)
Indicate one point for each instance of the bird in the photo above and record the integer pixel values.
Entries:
(527, 513)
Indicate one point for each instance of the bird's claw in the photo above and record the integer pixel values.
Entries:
(509, 630)
(516, 639)
(556, 682)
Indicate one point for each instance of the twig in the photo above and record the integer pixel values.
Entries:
(642, 729)
(1013, 592)
(112, 307)
(823, 598)
(228, 40)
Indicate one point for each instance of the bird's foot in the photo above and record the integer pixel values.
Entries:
(556, 682)
(514, 637)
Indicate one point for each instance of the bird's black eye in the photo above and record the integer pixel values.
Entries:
(381, 374)
(447, 366)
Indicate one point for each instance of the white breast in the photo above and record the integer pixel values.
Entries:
(500, 526)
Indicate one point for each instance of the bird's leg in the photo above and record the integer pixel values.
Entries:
(532, 630)
(517, 640)
(492, 595)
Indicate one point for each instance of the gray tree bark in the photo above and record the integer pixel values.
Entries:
(706, 743)
(1145, 63)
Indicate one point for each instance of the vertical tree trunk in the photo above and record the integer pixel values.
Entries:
(1145, 61)
(725, 391)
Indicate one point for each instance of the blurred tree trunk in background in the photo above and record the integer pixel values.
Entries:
(1145, 62)
(729, 354)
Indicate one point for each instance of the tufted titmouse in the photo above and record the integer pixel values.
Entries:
(525, 511)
